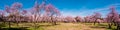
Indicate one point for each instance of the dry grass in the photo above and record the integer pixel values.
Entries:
(71, 26)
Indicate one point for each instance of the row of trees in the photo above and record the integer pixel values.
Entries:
(113, 18)
(48, 13)
(39, 13)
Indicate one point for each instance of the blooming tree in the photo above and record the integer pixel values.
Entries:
(13, 12)
(97, 17)
(113, 18)
(78, 18)
(51, 11)
(70, 19)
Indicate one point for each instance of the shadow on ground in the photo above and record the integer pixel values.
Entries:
(47, 25)
(20, 28)
(99, 26)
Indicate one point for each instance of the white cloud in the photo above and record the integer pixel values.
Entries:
(70, 12)
(91, 11)
(86, 12)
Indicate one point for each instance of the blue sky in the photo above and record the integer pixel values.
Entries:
(72, 7)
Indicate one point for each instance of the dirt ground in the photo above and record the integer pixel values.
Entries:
(71, 26)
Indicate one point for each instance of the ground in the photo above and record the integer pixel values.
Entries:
(62, 26)
(71, 26)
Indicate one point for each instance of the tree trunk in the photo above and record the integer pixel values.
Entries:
(109, 26)
(98, 22)
(53, 22)
(118, 27)
(9, 24)
(95, 22)
(4, 22)
(17, 24)
(35, 25)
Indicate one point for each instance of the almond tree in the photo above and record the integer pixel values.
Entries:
(96, 17)
(35, 14)
(70, 19)
(89, 19)
(13, 12)
(78, 18)
(113, 18)
(2, 17)
(16, 7)
(7, 9)
(86, 19)
(51, 11)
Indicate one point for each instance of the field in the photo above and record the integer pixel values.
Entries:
(59, 15)
(59, 26)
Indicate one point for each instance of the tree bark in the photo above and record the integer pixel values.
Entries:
(109, 26)
(9, 24)
(118, 27)
(95, 21)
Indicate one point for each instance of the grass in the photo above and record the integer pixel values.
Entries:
(100, 26)
(22, 26)
(59, 26)
(64, 26)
